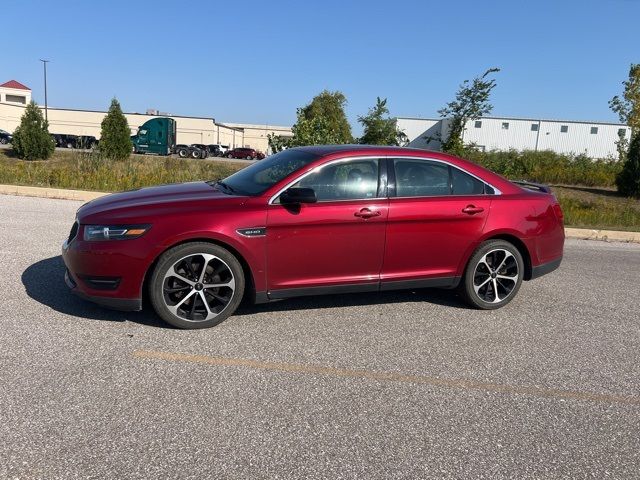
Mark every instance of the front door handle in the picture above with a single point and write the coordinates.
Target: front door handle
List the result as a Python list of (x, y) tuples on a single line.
[(472, 210), (367, 213)]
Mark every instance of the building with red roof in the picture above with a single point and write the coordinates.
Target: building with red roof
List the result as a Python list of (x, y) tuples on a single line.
[(15, 93)]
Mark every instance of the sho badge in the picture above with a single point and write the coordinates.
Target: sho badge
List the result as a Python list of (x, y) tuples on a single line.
[(252, 232)]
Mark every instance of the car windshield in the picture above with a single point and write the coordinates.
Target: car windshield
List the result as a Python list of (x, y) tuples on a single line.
[(262, 175)]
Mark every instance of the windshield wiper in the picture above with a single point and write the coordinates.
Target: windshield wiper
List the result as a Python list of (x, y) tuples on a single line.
[(226, 186)]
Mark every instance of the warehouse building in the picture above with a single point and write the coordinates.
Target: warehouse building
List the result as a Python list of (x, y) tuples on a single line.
[(14, 97), (594, 139)]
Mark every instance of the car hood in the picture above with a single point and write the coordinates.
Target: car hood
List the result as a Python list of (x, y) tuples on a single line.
[(143, 200)]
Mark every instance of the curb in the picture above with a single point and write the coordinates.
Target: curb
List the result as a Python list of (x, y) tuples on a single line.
[(83, 195), (41, 192), (602, 235)]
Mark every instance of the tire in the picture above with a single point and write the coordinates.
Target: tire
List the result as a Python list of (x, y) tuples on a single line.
[(229, 156), (195, 154), (3, 141), (203, 155), (249, 157), (171, 291), (482, 279), (183, 153)]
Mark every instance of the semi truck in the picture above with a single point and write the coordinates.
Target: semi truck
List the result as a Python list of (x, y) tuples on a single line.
[(157, 135)]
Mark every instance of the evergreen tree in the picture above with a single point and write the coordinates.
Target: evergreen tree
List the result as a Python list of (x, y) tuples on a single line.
[(628, 180), (31, 140), (115, 138)]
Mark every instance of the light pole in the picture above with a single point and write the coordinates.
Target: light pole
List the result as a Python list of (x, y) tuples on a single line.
[(44, 63)]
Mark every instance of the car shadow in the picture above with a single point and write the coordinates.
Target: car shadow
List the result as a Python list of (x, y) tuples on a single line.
[(44, 282), (448, 298)]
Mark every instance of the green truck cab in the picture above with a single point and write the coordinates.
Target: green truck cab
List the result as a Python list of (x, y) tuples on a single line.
[(157, 135)]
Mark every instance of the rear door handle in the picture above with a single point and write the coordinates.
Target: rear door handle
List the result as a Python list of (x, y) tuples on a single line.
[(472, 209), (367, 213)]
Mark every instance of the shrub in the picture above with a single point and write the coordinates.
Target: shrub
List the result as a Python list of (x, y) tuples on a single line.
[(628, 180), (31, 140), (548, 167), (115, 137)]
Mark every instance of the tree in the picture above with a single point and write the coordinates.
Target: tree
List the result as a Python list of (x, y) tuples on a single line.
[(324, 119), (278, 143), (628, 107), (471, 103), (628, 180), (115, 137), (316, 130), (379, 128), (31, 140)]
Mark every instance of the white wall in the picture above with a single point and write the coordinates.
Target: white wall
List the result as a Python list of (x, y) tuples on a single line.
[(421, 132), (519, 136)]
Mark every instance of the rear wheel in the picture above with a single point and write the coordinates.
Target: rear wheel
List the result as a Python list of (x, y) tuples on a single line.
[(3, 141), (493, 275), (249, 157), (183, 153), (196, 285), (229, 156)]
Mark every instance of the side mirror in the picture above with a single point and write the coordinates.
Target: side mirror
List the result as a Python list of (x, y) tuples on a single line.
[(295, 196)]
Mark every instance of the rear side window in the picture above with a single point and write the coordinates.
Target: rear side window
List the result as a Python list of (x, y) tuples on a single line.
[(421, 178), (465, 184)]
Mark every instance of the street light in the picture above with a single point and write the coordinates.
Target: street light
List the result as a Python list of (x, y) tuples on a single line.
[(44, 63)]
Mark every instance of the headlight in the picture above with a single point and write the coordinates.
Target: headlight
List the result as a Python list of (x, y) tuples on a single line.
[(114, 232)]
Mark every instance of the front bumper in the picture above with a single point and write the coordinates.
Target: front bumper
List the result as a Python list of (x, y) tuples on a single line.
[(123, 304), (89, 264)]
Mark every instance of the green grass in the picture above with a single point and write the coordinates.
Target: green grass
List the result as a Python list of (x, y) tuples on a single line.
[(89, 171), (586, 207)]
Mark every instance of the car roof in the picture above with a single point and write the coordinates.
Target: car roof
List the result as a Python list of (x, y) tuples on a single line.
[(324, 150)]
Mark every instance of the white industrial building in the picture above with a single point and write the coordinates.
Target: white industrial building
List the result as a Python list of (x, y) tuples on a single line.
[(594, 139)]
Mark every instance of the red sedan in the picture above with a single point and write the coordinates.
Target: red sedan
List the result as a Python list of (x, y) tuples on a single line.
[(314, 220)]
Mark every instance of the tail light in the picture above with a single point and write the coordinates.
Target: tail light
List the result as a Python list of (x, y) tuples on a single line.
[(558, 211)]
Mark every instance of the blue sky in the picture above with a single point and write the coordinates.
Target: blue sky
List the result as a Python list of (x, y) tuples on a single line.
[(257, 61)]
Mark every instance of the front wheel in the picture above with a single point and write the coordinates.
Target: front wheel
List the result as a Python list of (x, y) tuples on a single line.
[(196, 285), (229, 156), (3, 141), (493, 275)]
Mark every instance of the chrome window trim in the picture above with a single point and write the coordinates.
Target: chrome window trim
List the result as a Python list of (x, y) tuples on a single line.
[(495, 189), (392, 157)]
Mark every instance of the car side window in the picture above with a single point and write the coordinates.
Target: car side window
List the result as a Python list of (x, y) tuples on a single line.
[(350, 180), (421, 178), (465, 184)]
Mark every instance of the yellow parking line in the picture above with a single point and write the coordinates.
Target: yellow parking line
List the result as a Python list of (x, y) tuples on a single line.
[(388, 377)]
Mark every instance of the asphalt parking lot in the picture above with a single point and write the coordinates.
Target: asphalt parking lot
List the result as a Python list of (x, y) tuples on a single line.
[(397, 385)]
